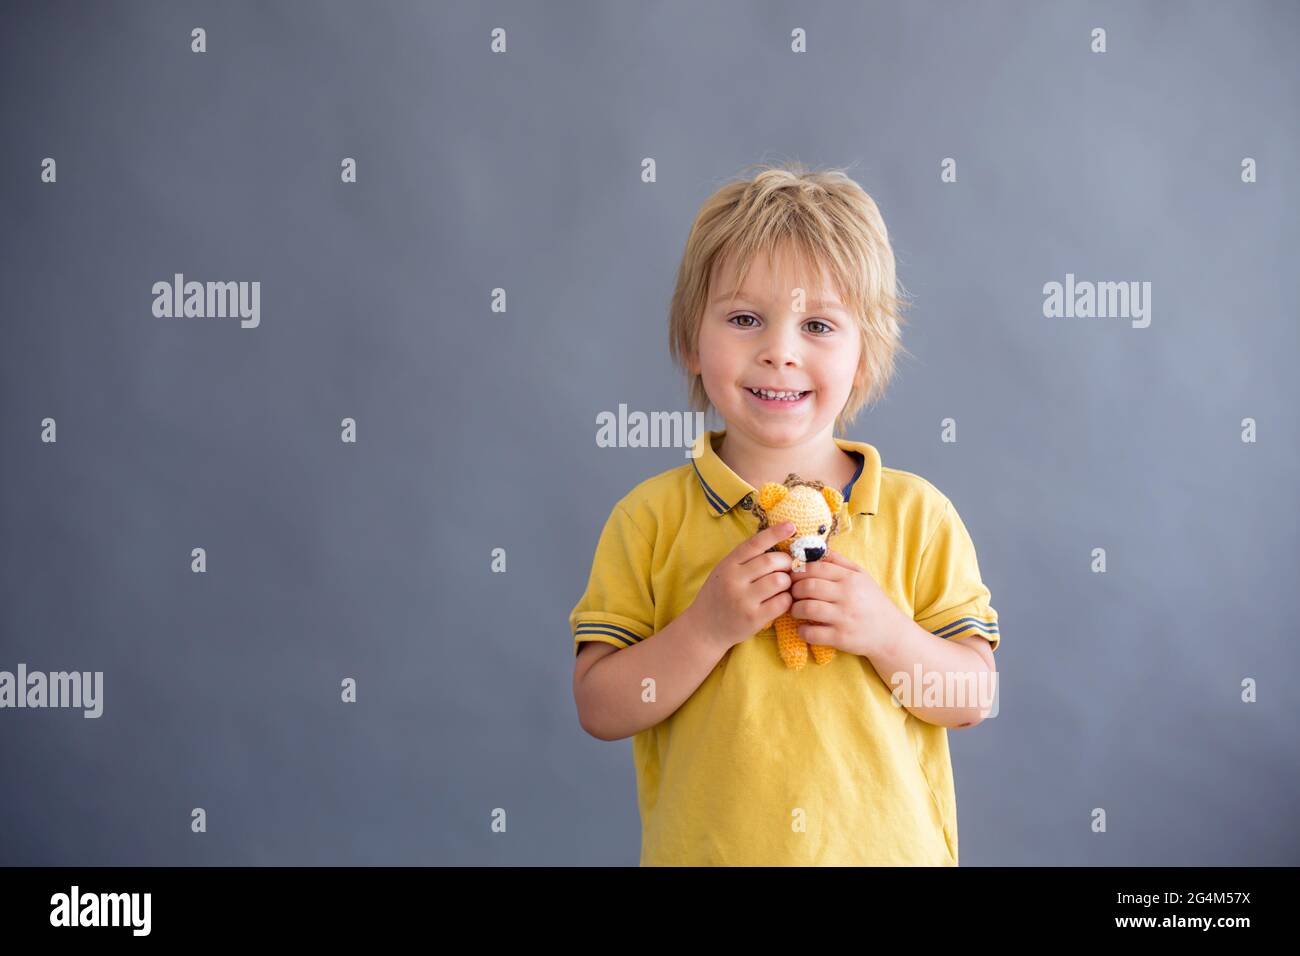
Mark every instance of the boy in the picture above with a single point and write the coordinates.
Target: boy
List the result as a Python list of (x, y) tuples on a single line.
[(786, 318)]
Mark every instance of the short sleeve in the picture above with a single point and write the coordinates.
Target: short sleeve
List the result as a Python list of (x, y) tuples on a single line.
[(618, 604), (950, 599)]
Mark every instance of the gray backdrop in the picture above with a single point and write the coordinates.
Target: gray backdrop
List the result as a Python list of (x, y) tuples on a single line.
[(476, 430)]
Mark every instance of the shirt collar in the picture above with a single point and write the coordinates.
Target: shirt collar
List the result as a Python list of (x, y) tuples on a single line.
[(723, 489)]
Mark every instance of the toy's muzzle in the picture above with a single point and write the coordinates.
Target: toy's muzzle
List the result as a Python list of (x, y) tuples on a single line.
[(809, 547)]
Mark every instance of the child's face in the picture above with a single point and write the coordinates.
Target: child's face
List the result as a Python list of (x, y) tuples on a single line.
[(761, 341)]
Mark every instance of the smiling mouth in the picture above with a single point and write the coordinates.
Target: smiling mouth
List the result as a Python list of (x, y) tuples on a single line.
[(779, 398)]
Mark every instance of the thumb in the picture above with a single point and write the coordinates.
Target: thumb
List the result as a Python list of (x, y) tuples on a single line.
[(834, 557)]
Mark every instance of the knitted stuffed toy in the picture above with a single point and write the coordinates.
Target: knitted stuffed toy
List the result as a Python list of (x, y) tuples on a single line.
[(817, 512)]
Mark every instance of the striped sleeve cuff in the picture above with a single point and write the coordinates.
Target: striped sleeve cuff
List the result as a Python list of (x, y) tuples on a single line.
[(610, 628), (964, 623)]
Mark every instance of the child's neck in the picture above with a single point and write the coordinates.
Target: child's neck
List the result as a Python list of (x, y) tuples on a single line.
[(819, 458)]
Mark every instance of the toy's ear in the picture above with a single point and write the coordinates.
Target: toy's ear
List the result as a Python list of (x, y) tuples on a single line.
[(834, 499), (839, 509), (772, 494)]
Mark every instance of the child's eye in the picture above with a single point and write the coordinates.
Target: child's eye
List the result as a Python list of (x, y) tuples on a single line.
[(828, 329)]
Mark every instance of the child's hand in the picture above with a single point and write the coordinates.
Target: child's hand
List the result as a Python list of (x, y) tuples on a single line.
[(747, 591), (839, 604)]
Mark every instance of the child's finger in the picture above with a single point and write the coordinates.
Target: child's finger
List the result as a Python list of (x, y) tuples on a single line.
[(834, 557), (816, 633), (764, 540), (826, 569)]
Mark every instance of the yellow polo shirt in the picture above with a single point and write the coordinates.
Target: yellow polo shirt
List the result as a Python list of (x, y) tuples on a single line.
[(767, 766)]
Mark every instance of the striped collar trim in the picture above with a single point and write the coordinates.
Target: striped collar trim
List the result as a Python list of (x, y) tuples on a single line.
[(723, 489)]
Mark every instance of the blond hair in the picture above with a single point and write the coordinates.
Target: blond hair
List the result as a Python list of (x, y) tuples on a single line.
[(828, 219)]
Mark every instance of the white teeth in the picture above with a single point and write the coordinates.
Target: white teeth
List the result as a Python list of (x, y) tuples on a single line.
[(780, 396)]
